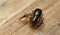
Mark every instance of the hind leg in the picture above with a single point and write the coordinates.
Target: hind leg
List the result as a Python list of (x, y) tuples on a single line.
[(39, 23)]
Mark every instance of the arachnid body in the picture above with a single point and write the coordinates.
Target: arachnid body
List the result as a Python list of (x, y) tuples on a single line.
[(35, 18)]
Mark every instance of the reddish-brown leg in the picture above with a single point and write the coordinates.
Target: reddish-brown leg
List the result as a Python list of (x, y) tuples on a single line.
[(26, 15), (39, 23), (40, 20)]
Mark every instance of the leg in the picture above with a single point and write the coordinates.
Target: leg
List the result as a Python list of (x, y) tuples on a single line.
[(39, 23), (26, 15)]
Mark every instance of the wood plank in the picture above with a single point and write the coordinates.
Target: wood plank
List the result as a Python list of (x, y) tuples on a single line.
[(51, 18), (52, 11), (9, 8)]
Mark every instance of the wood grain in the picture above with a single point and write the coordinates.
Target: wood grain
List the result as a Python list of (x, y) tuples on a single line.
[(51, 17)]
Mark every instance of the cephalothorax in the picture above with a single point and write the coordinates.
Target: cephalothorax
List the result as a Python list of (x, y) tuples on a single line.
[(36, 18)]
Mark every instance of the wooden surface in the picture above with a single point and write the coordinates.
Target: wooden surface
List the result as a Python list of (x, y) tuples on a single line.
[(12, 26)]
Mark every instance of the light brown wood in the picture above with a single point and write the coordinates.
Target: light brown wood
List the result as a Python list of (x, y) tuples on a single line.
[(51, 15)]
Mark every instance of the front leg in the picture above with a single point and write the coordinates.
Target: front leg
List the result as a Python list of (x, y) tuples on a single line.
[(26, 15)]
